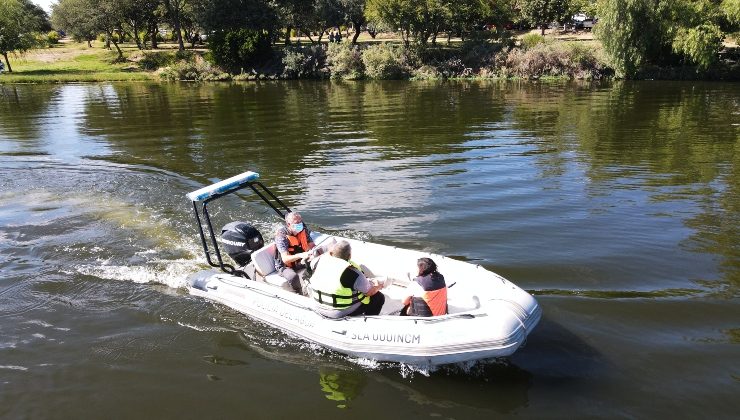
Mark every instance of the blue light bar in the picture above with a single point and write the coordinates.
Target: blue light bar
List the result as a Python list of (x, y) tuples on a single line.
[(224, 186)]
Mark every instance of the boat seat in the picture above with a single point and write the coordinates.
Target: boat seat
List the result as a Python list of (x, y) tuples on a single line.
[(264, 263)]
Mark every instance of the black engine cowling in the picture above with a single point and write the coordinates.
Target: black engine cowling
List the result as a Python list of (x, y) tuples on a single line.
[(240, 240)]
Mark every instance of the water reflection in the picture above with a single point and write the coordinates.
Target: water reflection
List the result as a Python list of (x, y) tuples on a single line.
[(341, 386), (429, 165), (21, 108), (408, 157), (608, 201)]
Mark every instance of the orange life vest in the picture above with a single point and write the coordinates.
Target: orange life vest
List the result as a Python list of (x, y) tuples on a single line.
[(433, 301), (298, 244), (436, 300)]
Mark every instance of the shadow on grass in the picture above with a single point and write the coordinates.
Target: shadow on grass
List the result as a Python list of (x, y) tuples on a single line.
[(53, 72)]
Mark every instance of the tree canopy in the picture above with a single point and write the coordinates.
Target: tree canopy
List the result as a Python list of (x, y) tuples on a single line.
[(541, 12), (19, 19)]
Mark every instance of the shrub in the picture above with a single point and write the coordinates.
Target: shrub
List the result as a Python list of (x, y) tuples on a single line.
[(52, 37), (572, 60), (235, 50), (345, 61), (195, 70), (384, 61), (478, 53), (531, 40), (184, 55), (304, 63), (426, 72), (454, 67), (104, 37), (152, 60)]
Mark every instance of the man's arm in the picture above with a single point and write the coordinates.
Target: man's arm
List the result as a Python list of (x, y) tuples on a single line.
[(355, 280), (288, 258), (282, 244)]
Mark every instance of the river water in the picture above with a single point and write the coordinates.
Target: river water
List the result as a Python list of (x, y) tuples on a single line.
[(616, 205)]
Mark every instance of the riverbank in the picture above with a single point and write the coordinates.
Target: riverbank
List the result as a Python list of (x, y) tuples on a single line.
[(73, 62), (563, 56)]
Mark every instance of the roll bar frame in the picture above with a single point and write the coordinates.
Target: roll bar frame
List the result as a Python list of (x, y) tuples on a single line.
[(201, 214)]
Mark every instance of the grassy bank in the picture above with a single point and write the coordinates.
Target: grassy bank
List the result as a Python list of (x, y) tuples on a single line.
[(73, 62), (555, 57), (76, 62)]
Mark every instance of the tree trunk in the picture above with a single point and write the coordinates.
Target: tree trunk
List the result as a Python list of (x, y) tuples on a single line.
[(136, 36), (89, 44), (120, 53), (449, 37), (178, 32), (107, 42), (287, 35), (542, 27), (189, 37), (308, 35), (7, 62), (321, 34), (154, 31), (173, 7), (357, 32)]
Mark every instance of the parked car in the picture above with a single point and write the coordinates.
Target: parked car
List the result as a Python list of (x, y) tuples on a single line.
[(583, 22)]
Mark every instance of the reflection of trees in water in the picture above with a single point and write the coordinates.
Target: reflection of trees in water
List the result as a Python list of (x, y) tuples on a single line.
[(673, 140), (21, 107), (676, 141), (150, 123), (341, 386)]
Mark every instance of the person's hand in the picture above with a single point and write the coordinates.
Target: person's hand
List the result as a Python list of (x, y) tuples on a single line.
[(373, 289)]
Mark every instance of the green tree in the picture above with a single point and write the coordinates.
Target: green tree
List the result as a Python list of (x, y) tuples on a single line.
[(636, 33), (731, 9), (465, 17), (137, 15), (19, 19), (176, 11), (226, 15), (76, 18), (295, 14), (541, 12), (633, 32), (418, 18), (354, 13)]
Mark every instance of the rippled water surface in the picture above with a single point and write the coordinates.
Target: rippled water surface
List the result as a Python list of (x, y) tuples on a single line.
[(617, 205)]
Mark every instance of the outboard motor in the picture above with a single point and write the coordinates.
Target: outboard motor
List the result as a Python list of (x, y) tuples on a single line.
[(240, 240)]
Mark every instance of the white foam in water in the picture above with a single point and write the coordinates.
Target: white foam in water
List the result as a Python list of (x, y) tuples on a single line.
[(11, 367), (201, 328), (368, 364), (172, 273), (8, 345), (39, 322)]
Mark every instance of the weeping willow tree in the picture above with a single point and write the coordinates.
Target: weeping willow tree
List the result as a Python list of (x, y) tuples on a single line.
[(636, 33)]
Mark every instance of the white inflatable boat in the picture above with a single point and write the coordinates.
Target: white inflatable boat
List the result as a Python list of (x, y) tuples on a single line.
[(488, 315)]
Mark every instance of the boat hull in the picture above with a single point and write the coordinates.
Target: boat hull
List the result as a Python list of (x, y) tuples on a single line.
[(497, 328)]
